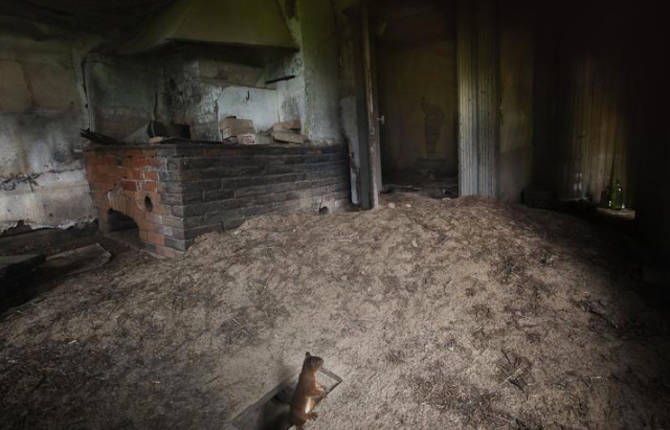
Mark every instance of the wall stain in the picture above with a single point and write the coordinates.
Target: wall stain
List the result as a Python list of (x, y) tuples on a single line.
[(434, 120)]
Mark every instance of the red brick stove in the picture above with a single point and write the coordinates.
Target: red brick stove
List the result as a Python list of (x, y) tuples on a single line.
[(176, 191)]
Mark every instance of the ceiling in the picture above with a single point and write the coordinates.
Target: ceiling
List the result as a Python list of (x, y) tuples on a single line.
[(134, 26), (105, 17)]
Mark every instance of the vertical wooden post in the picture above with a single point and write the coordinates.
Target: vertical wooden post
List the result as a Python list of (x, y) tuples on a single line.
[(372, 114)]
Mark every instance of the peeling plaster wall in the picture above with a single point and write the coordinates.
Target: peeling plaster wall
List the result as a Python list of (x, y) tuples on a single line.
[(320, 58), (195, 89), (201, 92), (51, 86), (42, 181), (201, 86), (124, 93), (291, 92)]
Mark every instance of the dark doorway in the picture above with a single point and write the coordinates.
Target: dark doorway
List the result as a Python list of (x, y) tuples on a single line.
[(415, 56)]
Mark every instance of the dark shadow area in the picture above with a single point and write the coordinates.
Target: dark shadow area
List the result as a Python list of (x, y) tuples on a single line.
[(123, 228), (642, 262), (63, 253), (72, 252), (415, 58), (119, 222)]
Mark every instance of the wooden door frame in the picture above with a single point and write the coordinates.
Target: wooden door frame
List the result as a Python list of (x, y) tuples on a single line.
[(371, 137), (478, 103)]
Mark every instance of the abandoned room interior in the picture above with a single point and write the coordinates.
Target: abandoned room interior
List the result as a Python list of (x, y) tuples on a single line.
[(334, 214)]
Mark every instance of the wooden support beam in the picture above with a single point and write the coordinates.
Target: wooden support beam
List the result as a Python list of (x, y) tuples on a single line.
[(371, 111)]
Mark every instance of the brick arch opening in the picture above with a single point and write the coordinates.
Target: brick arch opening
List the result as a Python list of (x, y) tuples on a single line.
[(123, 227), (118, 221)]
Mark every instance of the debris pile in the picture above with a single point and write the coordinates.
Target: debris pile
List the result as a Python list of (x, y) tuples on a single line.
[(287, 132), (153, 132), (237, 130), (231, 130)]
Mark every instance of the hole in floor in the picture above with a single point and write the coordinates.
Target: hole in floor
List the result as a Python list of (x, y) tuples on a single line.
[(271, 411)]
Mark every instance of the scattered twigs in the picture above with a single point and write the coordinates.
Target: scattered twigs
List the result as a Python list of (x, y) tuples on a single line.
[(591, 308)]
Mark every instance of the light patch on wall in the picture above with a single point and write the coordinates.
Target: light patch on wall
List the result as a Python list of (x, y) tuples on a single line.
[(13, 88), (52, 86), (51, 200)]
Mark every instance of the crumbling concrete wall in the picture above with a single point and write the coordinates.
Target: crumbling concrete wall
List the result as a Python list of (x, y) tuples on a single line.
[(124, 93), (51, 86), (42, 181), (199, 89), (290, 92), (319, 45), (202, 85), (202, 91)]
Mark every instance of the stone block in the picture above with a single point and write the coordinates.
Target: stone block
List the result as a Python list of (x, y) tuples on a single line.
[(288, 137), (246, 139), (178, 244), (180, 198), (287, 126), (231, 127), (214, 195)]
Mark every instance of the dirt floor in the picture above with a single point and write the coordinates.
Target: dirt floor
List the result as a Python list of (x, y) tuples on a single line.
[(446, 313)]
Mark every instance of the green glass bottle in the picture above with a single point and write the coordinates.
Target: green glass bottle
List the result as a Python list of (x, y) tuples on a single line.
[(606, 198), (616, 199)]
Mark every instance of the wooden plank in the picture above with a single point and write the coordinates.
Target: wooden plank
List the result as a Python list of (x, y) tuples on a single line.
[(78, 260), (371, 113), (359, 153)]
